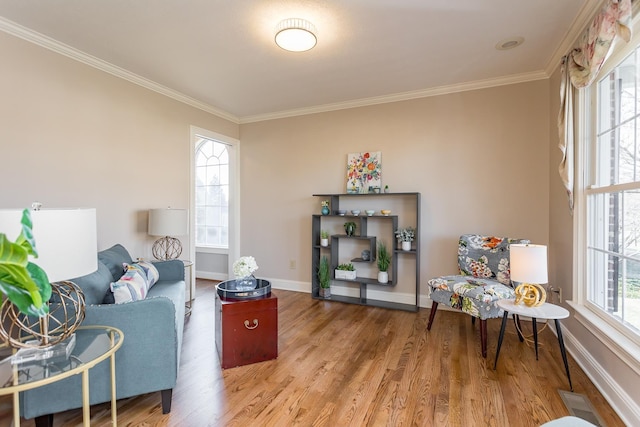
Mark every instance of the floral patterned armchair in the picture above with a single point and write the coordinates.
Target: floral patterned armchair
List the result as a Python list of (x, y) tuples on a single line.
[(484, 279)]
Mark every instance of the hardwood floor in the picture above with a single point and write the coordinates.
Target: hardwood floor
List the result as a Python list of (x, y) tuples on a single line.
[(342, 364)]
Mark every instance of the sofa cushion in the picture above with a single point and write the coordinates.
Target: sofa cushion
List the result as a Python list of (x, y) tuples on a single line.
[(94, 285), (132, 286), (114, 258)]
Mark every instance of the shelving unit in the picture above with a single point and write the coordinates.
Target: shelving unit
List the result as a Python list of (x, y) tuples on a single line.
[(365, 240)]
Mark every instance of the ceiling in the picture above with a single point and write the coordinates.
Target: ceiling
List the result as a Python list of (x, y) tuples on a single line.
[(220, 55)]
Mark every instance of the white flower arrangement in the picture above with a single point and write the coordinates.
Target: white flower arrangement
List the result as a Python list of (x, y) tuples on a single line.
[(244, 266), (405, 234)]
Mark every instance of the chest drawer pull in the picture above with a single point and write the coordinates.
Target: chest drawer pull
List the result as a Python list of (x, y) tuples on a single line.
[(255, 324)]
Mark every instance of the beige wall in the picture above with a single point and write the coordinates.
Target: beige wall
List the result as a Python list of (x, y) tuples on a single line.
[(480, 159), (72, 135)]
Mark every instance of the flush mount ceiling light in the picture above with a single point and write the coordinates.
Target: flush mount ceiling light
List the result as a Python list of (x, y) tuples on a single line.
[(296, 35), (509, 43)]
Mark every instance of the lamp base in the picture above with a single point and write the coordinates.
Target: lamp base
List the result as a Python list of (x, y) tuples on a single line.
[(45, 355), (531, 294), (166, 248)]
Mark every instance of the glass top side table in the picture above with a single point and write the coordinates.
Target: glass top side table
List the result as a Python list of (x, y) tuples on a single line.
[(93, 345), (545, 311)]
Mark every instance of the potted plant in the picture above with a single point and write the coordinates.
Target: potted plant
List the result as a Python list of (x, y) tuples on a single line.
[(350, 228), (384, 260), (324, 278), (324, 238), (405, 236), (346, 271), (24, 283)]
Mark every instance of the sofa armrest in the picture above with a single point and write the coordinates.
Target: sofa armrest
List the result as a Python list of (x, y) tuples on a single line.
[(170, 270)]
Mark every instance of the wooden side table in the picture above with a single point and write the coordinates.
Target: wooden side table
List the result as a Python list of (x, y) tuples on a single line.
[(545, 311), (246, 331)]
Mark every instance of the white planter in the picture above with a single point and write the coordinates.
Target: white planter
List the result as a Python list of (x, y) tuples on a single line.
[(345, 275), (406, 246), (383, 276), (324, 242)]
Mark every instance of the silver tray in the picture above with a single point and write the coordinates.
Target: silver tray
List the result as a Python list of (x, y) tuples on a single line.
[(227, 290)]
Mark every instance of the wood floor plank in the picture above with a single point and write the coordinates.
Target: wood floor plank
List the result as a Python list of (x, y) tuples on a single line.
[(341, 364)]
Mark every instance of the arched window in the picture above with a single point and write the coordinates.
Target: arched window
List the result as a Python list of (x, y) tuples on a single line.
[(212, 193)]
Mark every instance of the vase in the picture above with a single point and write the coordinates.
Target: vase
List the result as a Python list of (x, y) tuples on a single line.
[(325, 210), (325, 292), (247, 283), (349, 229), (324, 242), (406, 246), (383, 276)]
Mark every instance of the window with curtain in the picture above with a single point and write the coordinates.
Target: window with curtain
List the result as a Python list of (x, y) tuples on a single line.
[(211, 193), (613, 194)]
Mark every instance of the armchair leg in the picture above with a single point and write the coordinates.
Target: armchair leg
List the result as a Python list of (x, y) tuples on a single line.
[(434, 307), (44, 420), (166, 400), (483, 336)]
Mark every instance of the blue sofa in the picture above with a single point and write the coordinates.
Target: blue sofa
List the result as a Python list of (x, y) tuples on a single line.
[(150, 354)]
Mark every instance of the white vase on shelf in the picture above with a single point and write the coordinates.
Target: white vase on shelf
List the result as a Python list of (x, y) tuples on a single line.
[(383, 276), (406, 246), (324, 242)]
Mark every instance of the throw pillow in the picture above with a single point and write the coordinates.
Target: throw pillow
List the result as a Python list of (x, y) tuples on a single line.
[(132, 286), (148, 270)]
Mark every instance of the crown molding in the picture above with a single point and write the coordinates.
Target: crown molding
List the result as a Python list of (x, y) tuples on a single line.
[(46, 42), (404, 96), (579, 24)]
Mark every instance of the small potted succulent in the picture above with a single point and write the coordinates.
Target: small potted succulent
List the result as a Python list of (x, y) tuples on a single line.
[(346, 271), (324, 278), (324, 238), (350, 228), (405, 236), (384, 260)]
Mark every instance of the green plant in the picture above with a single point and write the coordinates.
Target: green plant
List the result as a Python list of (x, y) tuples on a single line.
[(324, 234), (24, 283), (384, 258), (405, 234), (350, 228), (323, 273), (346, 267)]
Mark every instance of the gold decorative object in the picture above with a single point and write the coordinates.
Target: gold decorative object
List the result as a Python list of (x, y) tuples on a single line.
[(531, 294), (66, 313)]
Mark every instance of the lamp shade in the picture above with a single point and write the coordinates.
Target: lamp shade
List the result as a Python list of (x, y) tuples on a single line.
[(528, 263), (168, 222), (65, 239)]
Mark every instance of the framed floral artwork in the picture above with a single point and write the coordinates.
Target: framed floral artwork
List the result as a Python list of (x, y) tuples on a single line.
[(364, 172)]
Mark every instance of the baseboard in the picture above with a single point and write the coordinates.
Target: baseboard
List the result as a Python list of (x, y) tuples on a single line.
[(626, 408), (211, 275)]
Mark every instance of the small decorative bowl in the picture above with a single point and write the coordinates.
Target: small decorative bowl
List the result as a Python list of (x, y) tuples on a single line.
[(355, 212), (341, 212), (385, 212), (370, 212)]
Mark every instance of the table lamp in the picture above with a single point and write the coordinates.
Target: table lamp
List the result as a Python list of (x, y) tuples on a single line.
[(168, 222), (529, 268), (66, 243)]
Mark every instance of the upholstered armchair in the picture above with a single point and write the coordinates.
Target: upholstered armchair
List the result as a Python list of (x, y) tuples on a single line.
[(483, 279)]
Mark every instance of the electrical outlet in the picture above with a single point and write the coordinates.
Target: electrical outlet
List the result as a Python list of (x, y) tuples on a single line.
[(292, 264)]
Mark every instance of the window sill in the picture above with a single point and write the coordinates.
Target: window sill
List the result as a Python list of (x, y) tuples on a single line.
[(212, 250), (624, 347)]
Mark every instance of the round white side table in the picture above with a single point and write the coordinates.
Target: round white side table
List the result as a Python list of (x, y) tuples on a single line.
[(545, 311)]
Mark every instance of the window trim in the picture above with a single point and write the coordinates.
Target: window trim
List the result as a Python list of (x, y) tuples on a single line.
[(611, 333), (234, 195)]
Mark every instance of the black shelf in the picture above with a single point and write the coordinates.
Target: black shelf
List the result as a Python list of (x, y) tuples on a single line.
[(362, 221)]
